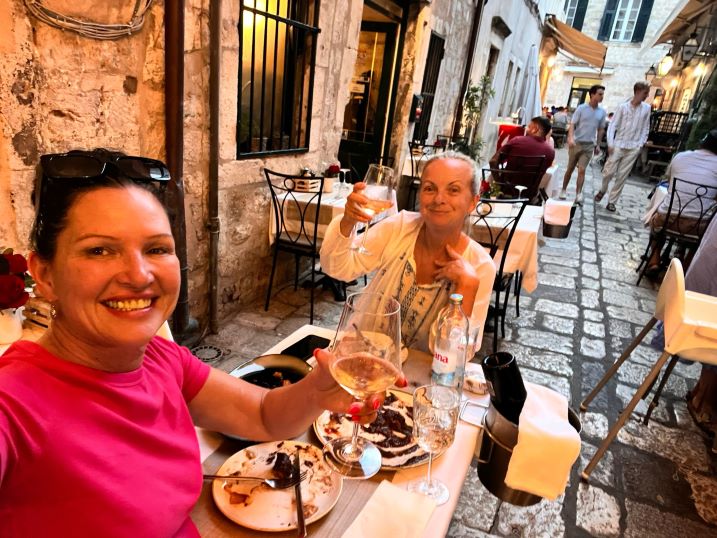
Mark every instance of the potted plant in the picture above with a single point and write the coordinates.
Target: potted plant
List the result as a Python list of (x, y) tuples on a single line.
[(475, 100)]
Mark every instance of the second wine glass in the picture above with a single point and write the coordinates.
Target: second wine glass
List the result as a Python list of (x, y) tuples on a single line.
[(366, 360), (435, 415), (379, 191)]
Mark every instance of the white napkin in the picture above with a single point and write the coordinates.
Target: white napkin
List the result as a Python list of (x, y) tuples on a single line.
[(547, 445), (392, 511), (474, 379), (557, 212)]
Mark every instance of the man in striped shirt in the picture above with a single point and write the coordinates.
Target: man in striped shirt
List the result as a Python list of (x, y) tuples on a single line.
[(626, 135)]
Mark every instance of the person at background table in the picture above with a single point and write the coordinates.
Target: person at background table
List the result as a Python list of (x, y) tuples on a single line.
[(626, 134), (698, 166), (560, 118), (420, 258), (584, 132), (533, 144), (97, 418)]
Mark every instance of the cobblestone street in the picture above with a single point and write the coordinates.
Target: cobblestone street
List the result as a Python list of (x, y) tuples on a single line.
[(657, 480)]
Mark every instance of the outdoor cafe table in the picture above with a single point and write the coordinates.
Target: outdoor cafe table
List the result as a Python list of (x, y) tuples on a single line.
[(523, 251), (451, 468)]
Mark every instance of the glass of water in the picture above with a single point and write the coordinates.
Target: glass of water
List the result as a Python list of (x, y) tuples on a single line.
[(435, 415)]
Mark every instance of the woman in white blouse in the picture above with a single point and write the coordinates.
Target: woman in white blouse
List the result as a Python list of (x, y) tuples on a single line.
[(420, 258)]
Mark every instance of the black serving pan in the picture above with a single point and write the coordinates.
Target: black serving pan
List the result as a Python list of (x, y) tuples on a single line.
[(271, 371)]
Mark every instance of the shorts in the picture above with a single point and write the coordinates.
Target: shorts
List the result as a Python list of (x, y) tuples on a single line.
[(681, 225), (580, 154)]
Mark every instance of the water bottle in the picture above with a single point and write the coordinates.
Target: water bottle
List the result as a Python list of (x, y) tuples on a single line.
[(449, 356)]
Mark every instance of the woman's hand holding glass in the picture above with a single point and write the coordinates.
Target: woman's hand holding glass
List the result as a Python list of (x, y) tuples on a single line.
[(365, 362)]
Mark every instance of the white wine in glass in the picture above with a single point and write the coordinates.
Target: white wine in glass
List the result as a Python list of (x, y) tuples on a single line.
[(366, 360), (435, 415), (379, 191)]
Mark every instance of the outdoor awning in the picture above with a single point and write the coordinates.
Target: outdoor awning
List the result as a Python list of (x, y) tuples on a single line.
[(575, 42), (677, 23)]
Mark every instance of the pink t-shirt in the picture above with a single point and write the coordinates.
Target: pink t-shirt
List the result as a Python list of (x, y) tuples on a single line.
[(90, 453)]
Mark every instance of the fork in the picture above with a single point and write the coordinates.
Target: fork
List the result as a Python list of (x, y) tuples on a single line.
[(274, 483)]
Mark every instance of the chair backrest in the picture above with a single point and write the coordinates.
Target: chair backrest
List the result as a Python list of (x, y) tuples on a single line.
[(420, 153), (296, 211), (670, 305), (448, 142), (493, 225), (690, 210), (518, 170)]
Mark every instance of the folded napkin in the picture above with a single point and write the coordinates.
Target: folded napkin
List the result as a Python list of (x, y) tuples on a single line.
[(557, 212), (547, 445), (392, 511), (474, 379)]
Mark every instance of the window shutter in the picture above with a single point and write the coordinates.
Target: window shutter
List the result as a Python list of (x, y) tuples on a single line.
[(608, 17), (643, 17), (580, 14)]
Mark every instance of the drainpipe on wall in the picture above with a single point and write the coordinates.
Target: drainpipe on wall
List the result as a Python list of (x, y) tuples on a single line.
[(184, 328), (215, 33), (458, 120)]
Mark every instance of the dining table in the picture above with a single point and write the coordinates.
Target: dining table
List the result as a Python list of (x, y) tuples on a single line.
[(523, 251), (451, 467)]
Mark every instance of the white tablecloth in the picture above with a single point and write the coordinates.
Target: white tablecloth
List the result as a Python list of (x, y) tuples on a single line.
[(523, 252)]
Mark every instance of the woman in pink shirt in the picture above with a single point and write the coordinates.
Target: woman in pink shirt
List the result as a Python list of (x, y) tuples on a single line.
[(97, 418)]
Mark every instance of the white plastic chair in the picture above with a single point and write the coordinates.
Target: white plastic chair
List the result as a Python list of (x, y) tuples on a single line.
[(690, 321), (165, 332)]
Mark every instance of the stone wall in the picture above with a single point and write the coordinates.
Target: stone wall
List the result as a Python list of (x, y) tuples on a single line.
[(60, 91)]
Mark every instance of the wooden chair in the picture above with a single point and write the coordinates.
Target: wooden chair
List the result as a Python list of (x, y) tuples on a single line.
[(296, 235), (692, 206), (493, 226), (690, 321)]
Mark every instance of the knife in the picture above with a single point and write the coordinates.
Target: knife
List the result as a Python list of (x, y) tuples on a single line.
[(300, 523)]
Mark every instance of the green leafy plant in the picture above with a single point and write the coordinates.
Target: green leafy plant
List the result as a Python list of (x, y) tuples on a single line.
[(474, 102), (707, 118)]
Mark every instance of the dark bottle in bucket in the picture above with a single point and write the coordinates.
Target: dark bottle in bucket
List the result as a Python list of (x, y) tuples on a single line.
[(505, 384)]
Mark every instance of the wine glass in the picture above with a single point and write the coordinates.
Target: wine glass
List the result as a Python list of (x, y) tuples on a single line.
[(435, 415), (520, 189), (379, 190), (366, 360)]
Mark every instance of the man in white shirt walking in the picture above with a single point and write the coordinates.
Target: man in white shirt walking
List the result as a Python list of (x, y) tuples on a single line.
[(626, 134)]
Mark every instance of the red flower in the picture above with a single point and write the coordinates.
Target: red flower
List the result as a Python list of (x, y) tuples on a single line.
[(484, 186), (333, 169), (16, 262), (12, 292)]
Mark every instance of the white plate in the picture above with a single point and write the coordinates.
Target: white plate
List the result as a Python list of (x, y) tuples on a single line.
[(330, 426), (274, 510)]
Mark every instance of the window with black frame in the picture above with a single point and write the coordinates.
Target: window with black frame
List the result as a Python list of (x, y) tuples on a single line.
[(277, 53)]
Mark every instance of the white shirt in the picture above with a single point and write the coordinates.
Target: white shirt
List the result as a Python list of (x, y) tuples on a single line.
[(391, 243), (630, 126), (698, 166)]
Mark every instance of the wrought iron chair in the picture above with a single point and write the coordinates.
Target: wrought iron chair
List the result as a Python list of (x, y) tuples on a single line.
[(449, 142), (296, 223), (419, 154), (690, 321), (691, 208), (520, 171), (493, 225)]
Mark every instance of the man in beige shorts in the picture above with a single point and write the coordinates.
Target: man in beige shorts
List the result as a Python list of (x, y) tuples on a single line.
[(587, 126)]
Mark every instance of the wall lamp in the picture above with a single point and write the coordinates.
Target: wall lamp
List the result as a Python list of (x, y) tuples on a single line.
[(665, 65)]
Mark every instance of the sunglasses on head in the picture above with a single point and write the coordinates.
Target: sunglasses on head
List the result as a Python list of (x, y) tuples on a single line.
[(78, 167)]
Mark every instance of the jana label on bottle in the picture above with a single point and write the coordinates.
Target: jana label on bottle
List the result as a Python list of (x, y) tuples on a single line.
[(444, 361)]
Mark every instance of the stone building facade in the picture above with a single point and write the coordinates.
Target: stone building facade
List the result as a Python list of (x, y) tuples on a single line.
[(625, 63), (61, 91)]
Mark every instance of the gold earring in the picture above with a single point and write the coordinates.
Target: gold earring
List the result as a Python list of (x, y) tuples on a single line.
[(53, 311)]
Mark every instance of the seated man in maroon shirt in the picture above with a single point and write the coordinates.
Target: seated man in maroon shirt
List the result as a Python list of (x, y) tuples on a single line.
[(512, 158)]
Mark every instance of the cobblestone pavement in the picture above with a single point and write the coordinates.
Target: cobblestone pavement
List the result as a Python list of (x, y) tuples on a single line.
[(657, 480)]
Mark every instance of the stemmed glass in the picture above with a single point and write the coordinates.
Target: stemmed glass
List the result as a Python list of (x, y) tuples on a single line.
[(379, 190), (520, 189), (435, 415), (342, 183), (366, 360)]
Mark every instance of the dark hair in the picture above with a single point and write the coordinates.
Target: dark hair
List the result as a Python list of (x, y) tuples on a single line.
[(543, 123), (709, 141), (58, 197), (640, 85), (594, 89)]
